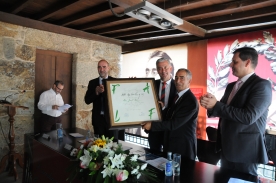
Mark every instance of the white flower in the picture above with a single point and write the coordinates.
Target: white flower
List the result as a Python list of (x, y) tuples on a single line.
[(94, 148), (115, 145), (106, 160), (144, 166), (134, 158), (135, 171), (85, 160), (117, 161), (138, 176), (107, 171)]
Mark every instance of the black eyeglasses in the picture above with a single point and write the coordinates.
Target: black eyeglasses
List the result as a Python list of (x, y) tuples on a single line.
[(59, 88)]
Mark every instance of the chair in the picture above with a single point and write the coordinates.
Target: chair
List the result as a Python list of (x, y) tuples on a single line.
[(206, 152), (211, 133)]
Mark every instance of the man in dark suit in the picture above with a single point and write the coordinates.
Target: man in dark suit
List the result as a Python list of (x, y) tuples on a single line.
[(243, 111), (165, 88), (179, 125), (95, 94)]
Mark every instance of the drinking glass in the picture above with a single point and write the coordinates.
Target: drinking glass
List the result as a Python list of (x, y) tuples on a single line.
[(176, 164)]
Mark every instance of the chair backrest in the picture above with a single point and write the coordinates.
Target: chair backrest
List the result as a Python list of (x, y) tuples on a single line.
[(206, 152), (211, 133)]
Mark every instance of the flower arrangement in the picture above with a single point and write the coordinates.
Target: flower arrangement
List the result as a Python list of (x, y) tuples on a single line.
[(104, 161)]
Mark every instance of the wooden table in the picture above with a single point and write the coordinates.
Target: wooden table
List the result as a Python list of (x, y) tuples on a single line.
[(12, 156), (47, 160)]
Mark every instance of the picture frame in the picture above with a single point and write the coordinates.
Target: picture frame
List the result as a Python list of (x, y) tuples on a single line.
[(131, 102)]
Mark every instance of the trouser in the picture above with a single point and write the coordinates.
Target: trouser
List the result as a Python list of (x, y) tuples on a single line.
[(48, 123)]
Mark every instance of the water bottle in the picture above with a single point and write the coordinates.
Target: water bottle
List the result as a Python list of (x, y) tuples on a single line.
[(168, 166), (88, 136), (60, 132)]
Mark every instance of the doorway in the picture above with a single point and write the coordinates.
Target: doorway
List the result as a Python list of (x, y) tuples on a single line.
[(49, 67)]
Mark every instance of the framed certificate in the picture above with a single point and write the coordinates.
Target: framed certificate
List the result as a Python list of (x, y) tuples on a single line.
[(131, 102)]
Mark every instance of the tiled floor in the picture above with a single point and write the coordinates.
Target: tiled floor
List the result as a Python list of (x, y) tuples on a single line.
[(5, 178)]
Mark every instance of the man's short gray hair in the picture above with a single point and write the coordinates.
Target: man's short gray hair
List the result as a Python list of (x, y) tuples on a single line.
[(188, 72), (162, 60)]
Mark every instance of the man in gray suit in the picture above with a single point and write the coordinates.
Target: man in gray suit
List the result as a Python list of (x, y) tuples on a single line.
[(243, 111)]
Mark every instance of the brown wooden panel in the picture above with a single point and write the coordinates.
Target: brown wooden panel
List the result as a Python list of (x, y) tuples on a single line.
[(64, 73)]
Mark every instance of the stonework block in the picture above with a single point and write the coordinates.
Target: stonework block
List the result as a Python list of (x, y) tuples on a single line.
[(85, 72), (10, 30), (1, 48), (8, 48), (25, 52), (57, 42), (84, 120), (17, 75), (80, 93), (110, 52)]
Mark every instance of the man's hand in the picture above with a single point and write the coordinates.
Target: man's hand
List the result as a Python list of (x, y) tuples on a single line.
[(99, 89), (55, 107), (161, 103), (208, 101), (146, 125)]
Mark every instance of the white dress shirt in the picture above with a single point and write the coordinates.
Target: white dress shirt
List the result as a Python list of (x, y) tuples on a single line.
[(47, 99)]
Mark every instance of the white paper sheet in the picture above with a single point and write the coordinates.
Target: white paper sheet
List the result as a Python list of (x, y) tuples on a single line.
[(158, 163), (235, 180), (76, 134), (64, 107)]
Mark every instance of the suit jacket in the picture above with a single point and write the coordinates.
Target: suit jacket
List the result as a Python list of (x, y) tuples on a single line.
[(91, 97), (241, 130), (180, 126), (156, 138)]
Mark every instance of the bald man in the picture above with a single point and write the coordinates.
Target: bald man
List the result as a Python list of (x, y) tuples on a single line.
[(96, 94)]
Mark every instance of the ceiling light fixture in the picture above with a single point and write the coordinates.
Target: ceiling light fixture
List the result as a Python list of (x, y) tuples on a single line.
[(153, 15)]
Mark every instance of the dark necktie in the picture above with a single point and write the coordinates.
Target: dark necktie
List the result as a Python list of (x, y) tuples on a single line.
[(102, 99), (163, 92), (175, 98)]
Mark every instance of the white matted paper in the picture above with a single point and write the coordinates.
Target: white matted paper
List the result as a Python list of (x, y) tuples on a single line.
[(132, 101)]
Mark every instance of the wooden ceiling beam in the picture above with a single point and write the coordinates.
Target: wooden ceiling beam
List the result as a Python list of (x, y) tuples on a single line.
[(256, 20), (107, 20), (54, 9), (151, 34), (20, 6), (85, 13), (126, 26), (226, 8), (124, 33), (237, 16)]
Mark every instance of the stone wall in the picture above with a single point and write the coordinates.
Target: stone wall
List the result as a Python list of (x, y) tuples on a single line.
[(17, 73)]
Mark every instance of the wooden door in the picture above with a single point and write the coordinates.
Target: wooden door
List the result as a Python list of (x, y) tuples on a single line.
[(49, 67)]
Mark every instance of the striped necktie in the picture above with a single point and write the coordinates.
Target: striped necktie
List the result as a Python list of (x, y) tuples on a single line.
[(162, 98)]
